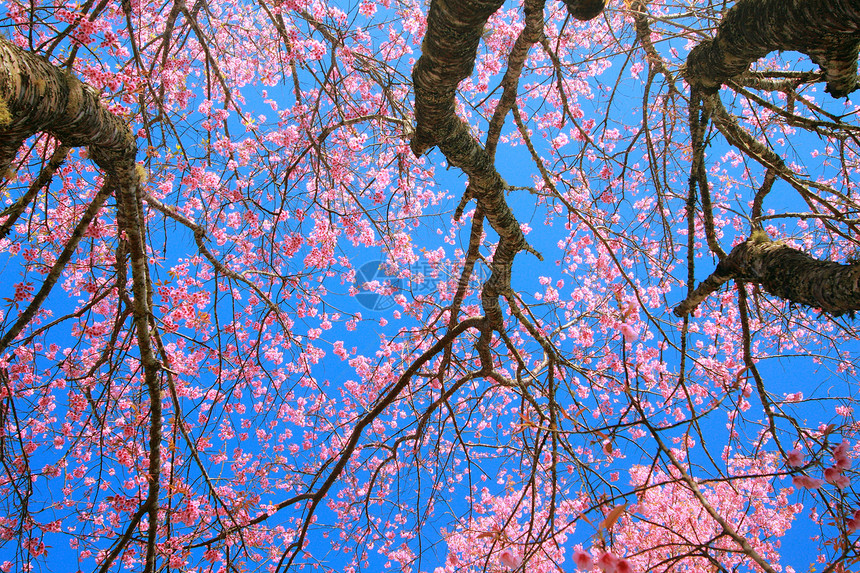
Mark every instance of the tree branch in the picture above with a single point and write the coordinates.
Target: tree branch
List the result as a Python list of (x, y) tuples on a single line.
[(828, 31), (36, 96), (784, 272), (448, 55)]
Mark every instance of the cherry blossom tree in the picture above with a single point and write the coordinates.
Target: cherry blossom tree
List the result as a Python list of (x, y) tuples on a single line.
[(463, 285)]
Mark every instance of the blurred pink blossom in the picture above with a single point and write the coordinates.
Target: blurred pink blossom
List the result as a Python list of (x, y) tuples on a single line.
[(582, 559), (510, 559), (628, 332), (807, 482), (794, 458)]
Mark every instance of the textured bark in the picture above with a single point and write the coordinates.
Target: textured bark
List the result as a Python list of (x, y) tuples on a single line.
[(828, 31), (36, 96), (585, 9), (448, 54), (784, 272), (641, 20), (447, 57)]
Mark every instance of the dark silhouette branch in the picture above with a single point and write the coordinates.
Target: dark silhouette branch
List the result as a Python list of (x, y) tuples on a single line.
[(585, 9)]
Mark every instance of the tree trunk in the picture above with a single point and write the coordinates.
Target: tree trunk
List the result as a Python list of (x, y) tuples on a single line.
[(828, 31), (450, 45), (454, 29), (585, 9), (36, 96), (784, 272)]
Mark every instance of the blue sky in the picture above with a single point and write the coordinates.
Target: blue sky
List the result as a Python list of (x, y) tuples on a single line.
[(783, 374)]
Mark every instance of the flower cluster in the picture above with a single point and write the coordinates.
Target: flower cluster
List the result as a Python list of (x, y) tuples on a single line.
[(607, 562), (833, 474)]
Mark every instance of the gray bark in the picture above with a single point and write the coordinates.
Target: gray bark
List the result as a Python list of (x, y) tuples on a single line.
[(448, 54), (784, 272), (36, 96), (828, 31)]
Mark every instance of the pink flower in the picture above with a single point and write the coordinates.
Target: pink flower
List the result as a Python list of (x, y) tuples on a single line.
[(628, 332), (582, 559), (831, 474), (367, 9), (559, 141), (623, 566), (814, 483), (840, 456), (608, 563), (510, 559), (807, 482), (852, 525), (794, 458), (842, 481)]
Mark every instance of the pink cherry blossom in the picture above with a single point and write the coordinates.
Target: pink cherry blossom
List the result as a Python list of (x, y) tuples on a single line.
[(629, 333), (607, 562), (392, 279), (623, 566), (794, 458), (794, 397), (831, 474), (582, 559), (807, 482), (842, 481), (509, 558)]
